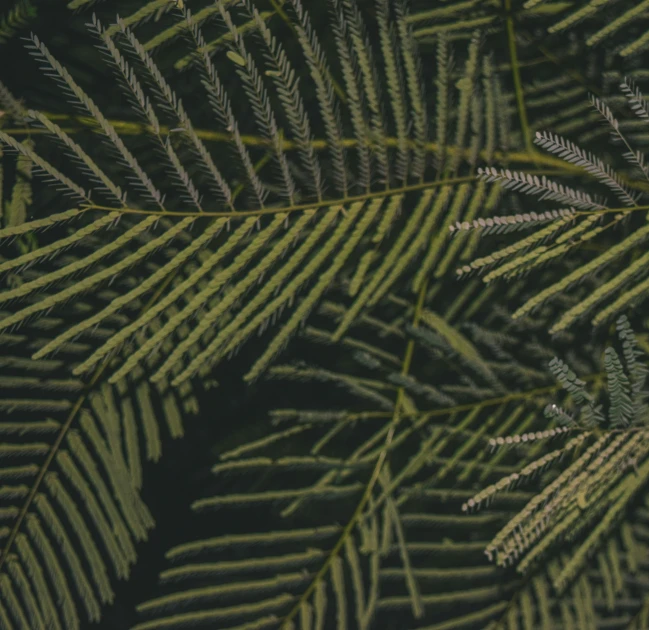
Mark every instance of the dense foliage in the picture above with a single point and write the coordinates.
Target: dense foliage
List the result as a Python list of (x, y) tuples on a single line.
[(382, 266)]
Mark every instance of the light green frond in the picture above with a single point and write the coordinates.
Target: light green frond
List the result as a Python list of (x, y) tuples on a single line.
[(398, 524), (236, 310), (237, 330), (467, 88), (310, 301), (636, 294), (591, 495), (216, 282), (74, 520), (611, 254), (625, 287), (395, 88), (80, 265), (313, 176), (41, 510)]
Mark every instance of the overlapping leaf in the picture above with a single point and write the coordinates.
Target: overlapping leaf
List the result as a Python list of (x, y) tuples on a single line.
[(246, 220)]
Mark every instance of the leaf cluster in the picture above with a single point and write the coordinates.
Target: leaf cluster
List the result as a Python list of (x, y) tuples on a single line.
[(301, 181)]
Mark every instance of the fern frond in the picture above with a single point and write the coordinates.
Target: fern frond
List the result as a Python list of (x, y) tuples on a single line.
[(259, 100), (407, 45), (466, 86), (395, 88), (461, 198), (238, 308), (325, 280), (40, 51), (388, 265), (319, 73), (615, 25), (352, 496), (604, 259), (402, 521), (528, 259), (364, 58), (632, 296), (287, 90), (106, 185), (595, 485), (573, 154), (543, 187), (75, 514)]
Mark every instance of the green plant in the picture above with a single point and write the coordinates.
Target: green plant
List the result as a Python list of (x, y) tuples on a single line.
[(394, 548), (601, 481), (581, 219), (303, 156)]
